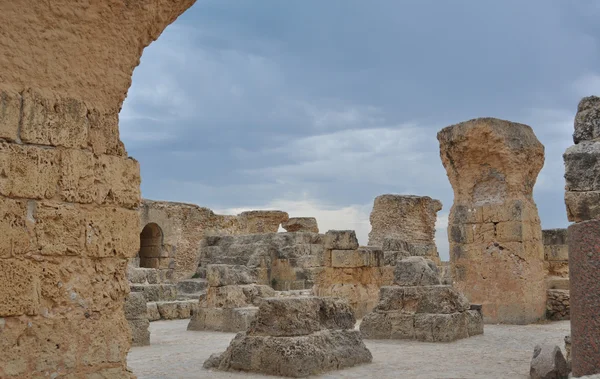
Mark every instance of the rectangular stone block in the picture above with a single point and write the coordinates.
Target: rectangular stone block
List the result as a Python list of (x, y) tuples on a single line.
[(59, 229), (557, 268), (556, 252), (10, 113), (582, 167), (135, 306), (510, 231), (156, 292), (20, 287), (462, 214), (514, 210), (236, 296), (110, 231), (54, 122), (298, 316), (402, 326), (140, 333), (226, 275), (363, 257), (222, 319), (103, 133), (582, 206), (558, 283), (152, 311), (28, 171), (77, 181), (118, 181), (341, 240), (474, 322), (555, 237), (441, 327), (16, 227), (424, 299)]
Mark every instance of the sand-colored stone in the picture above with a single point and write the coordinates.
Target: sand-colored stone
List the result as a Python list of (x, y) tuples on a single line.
[(301, 224), (64, 77), (262, 221), (494, 230), (404, 217)]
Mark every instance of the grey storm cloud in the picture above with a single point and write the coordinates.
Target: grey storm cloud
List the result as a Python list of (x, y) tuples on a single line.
[(243, 104)]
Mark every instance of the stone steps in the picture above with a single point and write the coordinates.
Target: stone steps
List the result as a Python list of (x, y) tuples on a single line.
[(171, 310), (196, 296), (192, 286), (156, 292), (141, 275)]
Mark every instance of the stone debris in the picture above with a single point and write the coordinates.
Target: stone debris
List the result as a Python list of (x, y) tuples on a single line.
[(301, 224), (137, 318), (548, 362), (418, 307), (295, 337), (496, 249)]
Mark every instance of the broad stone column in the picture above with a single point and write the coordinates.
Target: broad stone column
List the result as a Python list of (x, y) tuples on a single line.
[(68, 190), (407, 218), (494, 230), (582, 198)]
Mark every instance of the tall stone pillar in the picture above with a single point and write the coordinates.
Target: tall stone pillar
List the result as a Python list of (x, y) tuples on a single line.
[(405, 218), (68, 190), (494, 231), (582, 198)]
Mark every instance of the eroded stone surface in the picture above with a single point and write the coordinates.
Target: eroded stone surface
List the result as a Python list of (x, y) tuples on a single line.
[(416, 271), (494, 230), (301, 224), (404, 217), (296, 337), (548, 362), (587, 120)]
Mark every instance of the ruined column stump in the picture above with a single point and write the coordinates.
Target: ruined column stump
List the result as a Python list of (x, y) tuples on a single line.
[(405, 219), (296, 337), (494, 231), (584, 272)]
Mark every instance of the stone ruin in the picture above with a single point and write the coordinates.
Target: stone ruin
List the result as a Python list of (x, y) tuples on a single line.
[(582, 195), (136, 315), (494, 231), (296, 337), (301, 224), (232, 298), (556, 264), (418, 307), (405, 223)]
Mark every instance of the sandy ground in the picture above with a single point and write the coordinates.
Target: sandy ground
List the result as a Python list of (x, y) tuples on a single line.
[(502, 352)]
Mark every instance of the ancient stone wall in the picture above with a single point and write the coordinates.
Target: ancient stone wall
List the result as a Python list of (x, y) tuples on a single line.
[(69, 192), (183, 226), (405, 218), (494, 230), (556, 264)]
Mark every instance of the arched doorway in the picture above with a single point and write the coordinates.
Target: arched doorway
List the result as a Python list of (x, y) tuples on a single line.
[(151, 246)]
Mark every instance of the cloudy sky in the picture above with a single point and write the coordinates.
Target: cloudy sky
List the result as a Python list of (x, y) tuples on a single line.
[(316, 107)]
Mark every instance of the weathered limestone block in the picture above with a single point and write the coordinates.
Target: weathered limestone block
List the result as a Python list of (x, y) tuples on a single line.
[(20, 289), (441, 327), (225, 275), (135, 306), (176, 310), (301, 224), (548, 362), (152, 311), (298, 316), (261, 221), (16, 226), (416, 271), (584, 274), (237, 296), (228, 320), (494, 230), (341, 240), (28, 171), (582, 173), (361, 257), (156, 292), (405, 217), (423, 299), (295, 337), (140, 332), (587, 120), (10, 114)]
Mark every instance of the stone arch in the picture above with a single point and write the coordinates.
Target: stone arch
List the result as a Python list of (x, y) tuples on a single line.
[(151, 246), (72, 192)]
